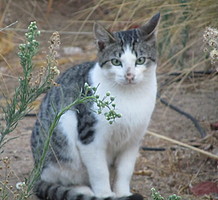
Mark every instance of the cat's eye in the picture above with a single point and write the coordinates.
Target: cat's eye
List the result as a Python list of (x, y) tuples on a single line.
[(140, 60), (115, 62)]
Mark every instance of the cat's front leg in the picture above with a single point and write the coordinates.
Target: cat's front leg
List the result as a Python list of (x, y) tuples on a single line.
[(94, 159), (125, 164)]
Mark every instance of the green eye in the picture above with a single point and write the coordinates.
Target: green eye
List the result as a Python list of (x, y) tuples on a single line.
[(115, 62), (140, 61)]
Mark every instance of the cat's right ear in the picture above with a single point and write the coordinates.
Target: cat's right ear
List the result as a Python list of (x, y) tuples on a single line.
[(103, 36), (148, 31)]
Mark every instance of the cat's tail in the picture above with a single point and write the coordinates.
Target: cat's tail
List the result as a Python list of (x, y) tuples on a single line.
[(50, 191)]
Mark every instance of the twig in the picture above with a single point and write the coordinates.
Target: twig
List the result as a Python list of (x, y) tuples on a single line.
[(7, 27), (31, 115), (191, 74), (52, 31), (187, 115), (184, 145), (157, 148), (49, 7), (194, 74)]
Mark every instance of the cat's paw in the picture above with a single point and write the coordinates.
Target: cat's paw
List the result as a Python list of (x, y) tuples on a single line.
[(84, 190), (123, 194), (105, 194)]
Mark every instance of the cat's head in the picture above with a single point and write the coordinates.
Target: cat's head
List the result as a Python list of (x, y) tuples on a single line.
[(126, 56)]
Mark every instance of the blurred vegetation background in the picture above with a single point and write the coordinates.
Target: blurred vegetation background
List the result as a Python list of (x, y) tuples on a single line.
[(180, 33)]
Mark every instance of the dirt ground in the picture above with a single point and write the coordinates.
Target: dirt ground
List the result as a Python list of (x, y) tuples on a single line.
[(176, 169)]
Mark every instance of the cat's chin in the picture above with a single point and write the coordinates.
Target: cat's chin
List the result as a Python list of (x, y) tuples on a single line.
[(132, 83), (127, 83)]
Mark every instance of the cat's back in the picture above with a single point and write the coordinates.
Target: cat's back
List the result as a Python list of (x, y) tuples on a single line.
[(78, 74), (69, 86)]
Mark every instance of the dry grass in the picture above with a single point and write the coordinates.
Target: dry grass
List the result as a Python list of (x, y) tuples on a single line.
[(180, 32)]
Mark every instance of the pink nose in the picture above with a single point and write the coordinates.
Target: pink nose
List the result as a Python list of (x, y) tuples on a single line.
[(130, 77)]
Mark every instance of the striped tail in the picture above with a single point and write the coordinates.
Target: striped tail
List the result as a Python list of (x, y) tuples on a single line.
[(50, 191)]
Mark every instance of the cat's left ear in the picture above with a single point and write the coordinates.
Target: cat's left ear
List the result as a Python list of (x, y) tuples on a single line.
[(148, 31), (103, 36)]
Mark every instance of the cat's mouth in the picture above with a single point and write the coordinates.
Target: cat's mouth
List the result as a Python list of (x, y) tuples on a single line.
[(128, 82)]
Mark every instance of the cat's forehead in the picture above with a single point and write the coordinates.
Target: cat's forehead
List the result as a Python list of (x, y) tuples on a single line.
[(131, 41), (127, 36)]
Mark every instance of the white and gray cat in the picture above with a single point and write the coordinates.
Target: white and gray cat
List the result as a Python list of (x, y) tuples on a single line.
[(85, 148)]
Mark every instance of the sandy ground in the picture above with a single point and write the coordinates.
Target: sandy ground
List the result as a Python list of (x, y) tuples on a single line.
[(170, 171)]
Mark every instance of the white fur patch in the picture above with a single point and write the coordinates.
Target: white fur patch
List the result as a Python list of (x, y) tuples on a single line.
[(128, 58), (67, 173), (68, 126)]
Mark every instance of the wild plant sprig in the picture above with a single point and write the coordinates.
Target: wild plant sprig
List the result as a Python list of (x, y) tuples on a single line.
[(156, 196), (27, 91), (106, 105), (174, 197), (29, 49)]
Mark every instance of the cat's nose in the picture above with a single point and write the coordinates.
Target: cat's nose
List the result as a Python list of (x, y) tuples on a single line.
[(130, 77)]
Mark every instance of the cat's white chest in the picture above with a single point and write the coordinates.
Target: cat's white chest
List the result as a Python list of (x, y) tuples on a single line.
[(135, 109), (135, 103)]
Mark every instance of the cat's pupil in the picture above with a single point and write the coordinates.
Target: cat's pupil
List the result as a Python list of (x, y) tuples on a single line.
[(115, 62), (140, 61)]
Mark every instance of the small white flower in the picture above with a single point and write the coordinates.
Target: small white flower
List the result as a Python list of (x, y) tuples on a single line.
[(55, 70), (214, 54), (20, 185), (213, 43), (213, 31)]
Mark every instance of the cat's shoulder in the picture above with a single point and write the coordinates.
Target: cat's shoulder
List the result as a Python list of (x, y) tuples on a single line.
[(76, 72)]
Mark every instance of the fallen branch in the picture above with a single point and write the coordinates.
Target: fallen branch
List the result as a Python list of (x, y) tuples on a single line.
[(187, 115), (210, 155), (7, 27), (194, 74), (157, 148)]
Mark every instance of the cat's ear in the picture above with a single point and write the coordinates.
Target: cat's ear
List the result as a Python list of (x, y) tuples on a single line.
[(103, 36), (148, 31)]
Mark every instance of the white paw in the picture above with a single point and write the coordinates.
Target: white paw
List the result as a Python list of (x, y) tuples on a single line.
[(84, 190), (105, 194), (123, 194)]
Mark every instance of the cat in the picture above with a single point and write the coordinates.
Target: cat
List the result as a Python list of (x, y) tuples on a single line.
[(89, 159)]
